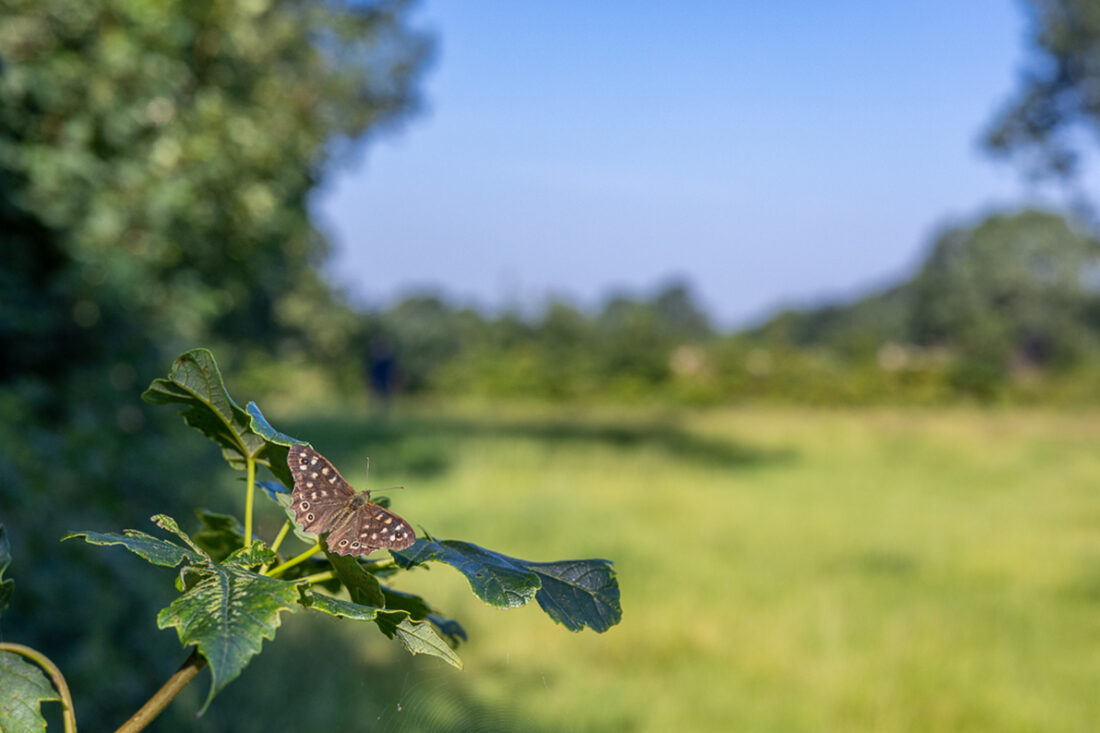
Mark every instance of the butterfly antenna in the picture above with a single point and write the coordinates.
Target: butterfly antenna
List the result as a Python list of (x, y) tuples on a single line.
[(366, 478)]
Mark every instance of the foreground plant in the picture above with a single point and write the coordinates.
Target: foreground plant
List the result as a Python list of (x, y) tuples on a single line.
[(234, 586)]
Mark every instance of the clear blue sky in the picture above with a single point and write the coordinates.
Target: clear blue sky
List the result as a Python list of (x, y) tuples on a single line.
[(770, 153)]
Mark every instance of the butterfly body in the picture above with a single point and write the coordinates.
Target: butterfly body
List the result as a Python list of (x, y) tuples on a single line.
[(324, 501)]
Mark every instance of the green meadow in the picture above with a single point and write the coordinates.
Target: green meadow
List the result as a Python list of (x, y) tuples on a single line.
[(781, 569)]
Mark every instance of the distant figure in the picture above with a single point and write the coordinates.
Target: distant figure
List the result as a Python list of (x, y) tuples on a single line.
[(382, 370)]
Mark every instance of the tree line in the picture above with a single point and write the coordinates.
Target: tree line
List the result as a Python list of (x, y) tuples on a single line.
[(1005, 307)]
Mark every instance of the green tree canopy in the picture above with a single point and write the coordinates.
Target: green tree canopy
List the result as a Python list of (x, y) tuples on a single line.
[(156, 162), (1060, 89), (1014, 286), (156, 165)]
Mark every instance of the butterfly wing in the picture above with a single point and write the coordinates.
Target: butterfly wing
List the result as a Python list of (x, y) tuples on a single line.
[(321, 495), (369, 527)]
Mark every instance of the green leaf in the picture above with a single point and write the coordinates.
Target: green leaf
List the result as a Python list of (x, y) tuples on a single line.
[(152, 549), (575, 593), (23, 689), (221, 534), (362, 586), (277, 445), (418, 637), (417, 607), (263, 428), (449, 628), (228, 612), (494, 578), (579, 593), (248, 557), (341, 608), (165, 522), (196, 383), (7, 587)]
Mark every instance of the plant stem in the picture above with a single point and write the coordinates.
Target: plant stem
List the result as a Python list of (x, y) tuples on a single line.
[(386, 562), (280, 569), (278, 541), (320, 577), (281, 536), (250, 469), (159, 701), (58, 679)]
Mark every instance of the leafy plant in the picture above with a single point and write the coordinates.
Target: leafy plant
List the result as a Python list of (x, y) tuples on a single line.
[(234, 586), (23, 686)]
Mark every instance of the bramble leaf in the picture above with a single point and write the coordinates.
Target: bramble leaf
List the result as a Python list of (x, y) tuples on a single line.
[(277, 444), (579, 593), (152, 549), (196, 383), (419, 610), (23, 689), (574, 593), (362, 586), (340, 608), (418, 637), (6, 586), (417, 607), (494, 578), (450, 628), (168, 524), (248, 557), (227, 612)]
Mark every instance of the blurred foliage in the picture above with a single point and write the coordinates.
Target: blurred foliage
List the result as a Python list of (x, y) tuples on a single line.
[(156, 164), (1006, 308), (1059, 91)]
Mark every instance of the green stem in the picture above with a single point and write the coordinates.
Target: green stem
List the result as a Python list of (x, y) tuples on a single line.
[(281, 536), (388, 562), (159, 701), (320, 577), (278, 541), (280, 569), (250, 468), (59, 684)]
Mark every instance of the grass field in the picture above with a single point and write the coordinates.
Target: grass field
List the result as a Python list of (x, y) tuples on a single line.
[(783, 570)]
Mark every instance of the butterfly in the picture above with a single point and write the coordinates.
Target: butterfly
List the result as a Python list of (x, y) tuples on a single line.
[(324, 501)]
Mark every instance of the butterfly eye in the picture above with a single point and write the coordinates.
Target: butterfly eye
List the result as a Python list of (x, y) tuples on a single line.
[(305, 505), (343, 543), (353, 544), (310, 517)]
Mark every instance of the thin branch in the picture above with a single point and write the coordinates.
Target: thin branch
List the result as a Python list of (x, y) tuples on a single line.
[(250, 468), (320, 577), (278, 541), (159, 701), (58, 679), (281, 536), (279, 570)]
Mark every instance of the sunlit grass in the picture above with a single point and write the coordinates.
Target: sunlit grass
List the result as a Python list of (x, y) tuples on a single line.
[(878, 570)]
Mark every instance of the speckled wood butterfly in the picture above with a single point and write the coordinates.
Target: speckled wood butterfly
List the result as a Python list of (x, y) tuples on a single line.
[(324, 501)]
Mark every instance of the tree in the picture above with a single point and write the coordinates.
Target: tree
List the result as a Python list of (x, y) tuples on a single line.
[(156, 161), (1013, 288), (1060, 91), (156, 166)]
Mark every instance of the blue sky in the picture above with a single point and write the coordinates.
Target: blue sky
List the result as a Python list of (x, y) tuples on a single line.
[(770, 153)]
